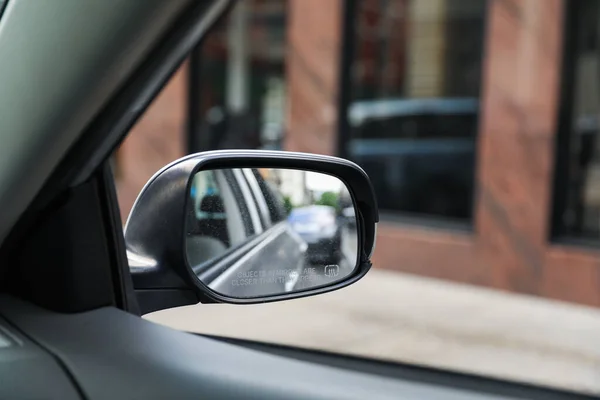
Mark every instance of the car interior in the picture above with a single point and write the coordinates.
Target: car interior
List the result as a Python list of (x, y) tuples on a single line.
[(70, 319)]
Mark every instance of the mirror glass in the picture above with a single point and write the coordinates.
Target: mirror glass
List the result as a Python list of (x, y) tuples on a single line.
[(255, 232)]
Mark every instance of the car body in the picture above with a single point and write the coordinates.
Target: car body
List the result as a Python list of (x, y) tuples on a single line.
[(349, 217), (319, 226)]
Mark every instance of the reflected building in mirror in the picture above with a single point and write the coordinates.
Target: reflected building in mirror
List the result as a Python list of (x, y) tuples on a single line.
[(291, 183)]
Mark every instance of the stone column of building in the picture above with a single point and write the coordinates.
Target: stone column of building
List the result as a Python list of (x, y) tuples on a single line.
[(237, 84), (516, 157), (312, 75)]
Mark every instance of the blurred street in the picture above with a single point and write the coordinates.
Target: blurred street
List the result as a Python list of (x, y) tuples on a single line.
[(412, 319)]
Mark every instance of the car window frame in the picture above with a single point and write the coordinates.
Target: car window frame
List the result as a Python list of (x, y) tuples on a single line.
[(252, 207), (234, 184), (270, 196), (258, 196)]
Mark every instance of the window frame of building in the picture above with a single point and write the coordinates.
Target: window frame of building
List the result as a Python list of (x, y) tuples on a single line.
[(566, 111), (344, 131)]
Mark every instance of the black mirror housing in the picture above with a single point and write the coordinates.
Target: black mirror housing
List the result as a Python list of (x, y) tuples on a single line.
[(155, 232)]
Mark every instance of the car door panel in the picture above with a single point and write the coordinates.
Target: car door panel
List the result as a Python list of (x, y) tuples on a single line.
[(112, 354), (270, 266), (27, 371)]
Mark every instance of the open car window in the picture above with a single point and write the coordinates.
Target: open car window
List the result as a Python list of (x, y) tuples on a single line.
[(228, 209), (219, 216), (475, 123)]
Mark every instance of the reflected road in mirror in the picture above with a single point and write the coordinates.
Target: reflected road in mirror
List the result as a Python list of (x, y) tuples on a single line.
[(266, 232)]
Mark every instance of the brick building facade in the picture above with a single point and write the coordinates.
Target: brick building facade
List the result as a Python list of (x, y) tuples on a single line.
[(509, 243)]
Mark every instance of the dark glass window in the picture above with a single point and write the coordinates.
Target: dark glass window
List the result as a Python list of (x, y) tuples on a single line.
[(414, 102), (241, 85), (577, 186)]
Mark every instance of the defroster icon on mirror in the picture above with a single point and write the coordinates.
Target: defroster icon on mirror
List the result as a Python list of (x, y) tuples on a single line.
[(332, 271)]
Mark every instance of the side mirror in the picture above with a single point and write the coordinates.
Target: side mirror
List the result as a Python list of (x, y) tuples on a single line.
[(249, 226)]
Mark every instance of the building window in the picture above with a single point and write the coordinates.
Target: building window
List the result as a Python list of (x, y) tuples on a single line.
[(413, 106), (577, 185), (241, 85)]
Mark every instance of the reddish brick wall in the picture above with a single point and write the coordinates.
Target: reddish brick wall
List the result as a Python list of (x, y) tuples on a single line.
[(509, 247), (157, 139), (516, 142), (313, 47)]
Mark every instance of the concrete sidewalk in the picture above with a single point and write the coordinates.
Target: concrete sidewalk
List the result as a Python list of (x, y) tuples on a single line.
[(394, 316)]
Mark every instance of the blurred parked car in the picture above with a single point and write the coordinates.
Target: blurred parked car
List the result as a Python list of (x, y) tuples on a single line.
[(319, 227), (349, 217)]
